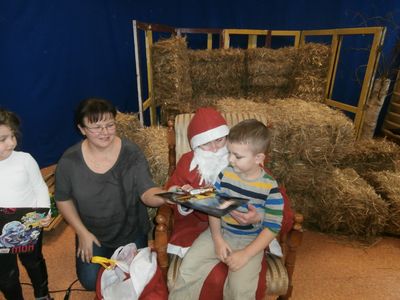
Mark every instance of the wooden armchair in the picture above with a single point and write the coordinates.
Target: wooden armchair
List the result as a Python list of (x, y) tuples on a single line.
[(280, 270)]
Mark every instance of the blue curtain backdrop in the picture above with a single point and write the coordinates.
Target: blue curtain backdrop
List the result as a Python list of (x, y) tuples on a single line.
[(55, 53)]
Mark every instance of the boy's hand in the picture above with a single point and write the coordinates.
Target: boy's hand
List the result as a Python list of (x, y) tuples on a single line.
[(237, 260), (186, 188), (249, 217), (222, 249)]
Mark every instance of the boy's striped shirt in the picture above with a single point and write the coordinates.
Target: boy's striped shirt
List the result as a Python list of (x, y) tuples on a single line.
[(262, 192)]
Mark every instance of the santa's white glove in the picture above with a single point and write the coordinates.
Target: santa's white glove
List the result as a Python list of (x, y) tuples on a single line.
[(184, 211)]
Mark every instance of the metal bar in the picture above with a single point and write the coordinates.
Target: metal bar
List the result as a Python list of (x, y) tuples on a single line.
[(138, 78)]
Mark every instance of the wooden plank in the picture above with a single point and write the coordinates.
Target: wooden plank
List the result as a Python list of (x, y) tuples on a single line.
[(155, 27), (344, 31), (341, 105), (394, 117), (253, 33), (209, 41), (200, 30), (149, 44), (391, 125), (333, 63), (147, 103), (245, 31), (226, 39), (252, 42), (54, 223), (394, 107), (391, 135)]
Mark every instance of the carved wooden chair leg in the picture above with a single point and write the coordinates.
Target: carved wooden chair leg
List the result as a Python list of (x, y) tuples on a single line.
[(293, 242), (161, 238)]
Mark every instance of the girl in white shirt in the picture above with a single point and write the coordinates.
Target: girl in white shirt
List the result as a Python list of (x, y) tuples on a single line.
[(21, 185)]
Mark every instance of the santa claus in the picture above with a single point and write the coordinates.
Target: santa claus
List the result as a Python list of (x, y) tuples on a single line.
[(200, 167)]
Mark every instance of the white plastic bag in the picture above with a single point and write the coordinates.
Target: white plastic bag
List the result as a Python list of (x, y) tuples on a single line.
[(133, 271)]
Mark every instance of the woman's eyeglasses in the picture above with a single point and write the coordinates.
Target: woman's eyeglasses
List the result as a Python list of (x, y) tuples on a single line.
[(98, 129)]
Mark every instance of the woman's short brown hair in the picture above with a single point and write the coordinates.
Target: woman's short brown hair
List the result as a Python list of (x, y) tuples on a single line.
[(94, 110)]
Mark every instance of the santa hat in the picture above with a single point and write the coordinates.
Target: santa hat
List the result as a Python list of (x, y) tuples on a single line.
[(206, 125)]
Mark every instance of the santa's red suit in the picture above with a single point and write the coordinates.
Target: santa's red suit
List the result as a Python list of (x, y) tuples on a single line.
[(187, 227)]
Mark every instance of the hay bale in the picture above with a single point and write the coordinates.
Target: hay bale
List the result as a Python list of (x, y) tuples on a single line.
[(270, 72), (217, 73), (311, 72), (297, 176), (310, 132), (344, 204), (369, 155), (302, 131), (387, 185), (172, 86), (127, 124), (153, 142)]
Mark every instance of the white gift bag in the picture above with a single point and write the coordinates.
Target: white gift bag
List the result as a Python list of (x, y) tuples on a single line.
[(133, 271)]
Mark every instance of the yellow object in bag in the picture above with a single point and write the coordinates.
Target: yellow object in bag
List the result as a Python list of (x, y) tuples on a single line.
[(106, 263)]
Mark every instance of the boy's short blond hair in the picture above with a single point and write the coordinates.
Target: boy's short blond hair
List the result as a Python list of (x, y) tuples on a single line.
[(253, 133)]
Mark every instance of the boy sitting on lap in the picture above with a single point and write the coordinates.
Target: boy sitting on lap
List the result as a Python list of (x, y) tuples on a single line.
[(240, 247)]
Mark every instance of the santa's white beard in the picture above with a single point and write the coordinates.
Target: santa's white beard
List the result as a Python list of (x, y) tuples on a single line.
[(209, 164)]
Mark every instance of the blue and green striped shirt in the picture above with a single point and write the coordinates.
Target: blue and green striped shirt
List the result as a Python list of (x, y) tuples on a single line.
[(262, 192)]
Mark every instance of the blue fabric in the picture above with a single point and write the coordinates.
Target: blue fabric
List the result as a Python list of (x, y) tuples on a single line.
[(55, 53)]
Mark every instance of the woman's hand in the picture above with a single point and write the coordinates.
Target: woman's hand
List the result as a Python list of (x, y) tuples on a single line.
[(85, 246), (249, 217)]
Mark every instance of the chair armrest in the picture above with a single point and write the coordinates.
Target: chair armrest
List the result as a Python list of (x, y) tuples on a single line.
[(164, 224)]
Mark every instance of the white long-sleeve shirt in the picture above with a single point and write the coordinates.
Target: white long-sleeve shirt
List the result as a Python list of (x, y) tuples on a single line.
[(21, 183)]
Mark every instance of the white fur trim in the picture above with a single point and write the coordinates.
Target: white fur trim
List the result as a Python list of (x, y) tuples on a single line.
[(177, 250), (275, 248), (209, 135), (184, 211)]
